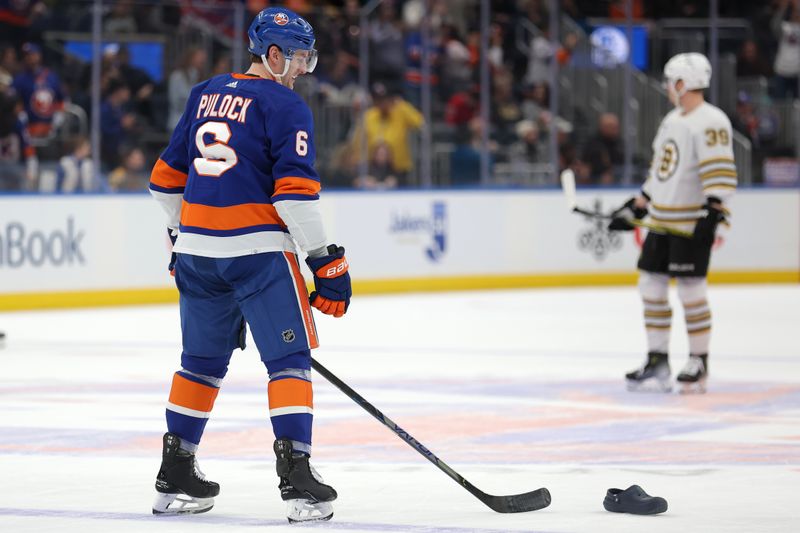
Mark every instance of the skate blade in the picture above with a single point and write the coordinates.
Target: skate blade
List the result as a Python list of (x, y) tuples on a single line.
[(302, 510), (321, 519), (649, 385), (698, 387), (174, 504)]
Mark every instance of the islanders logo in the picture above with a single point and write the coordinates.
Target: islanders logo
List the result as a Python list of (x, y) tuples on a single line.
[(281, 19)]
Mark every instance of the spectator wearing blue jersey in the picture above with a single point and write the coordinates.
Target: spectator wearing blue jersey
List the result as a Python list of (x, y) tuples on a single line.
[(117, 123), (40, 90)]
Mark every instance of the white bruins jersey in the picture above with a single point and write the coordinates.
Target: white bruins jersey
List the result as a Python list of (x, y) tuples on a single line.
[(692, 160)]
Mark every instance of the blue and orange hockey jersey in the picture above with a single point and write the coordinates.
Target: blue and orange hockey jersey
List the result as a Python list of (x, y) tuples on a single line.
[(238, 175), (42, 96)]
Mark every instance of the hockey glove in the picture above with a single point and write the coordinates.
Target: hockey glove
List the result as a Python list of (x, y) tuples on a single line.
[(331, 281), (620, 219), (706, 227), (173, 257)]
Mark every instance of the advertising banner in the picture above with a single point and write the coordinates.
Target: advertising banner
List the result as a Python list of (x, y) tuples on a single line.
[(85, 247)]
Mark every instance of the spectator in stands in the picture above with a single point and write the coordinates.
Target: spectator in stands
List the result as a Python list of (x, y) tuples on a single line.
[(381, 173), (132, 175), (22, 21), (222, 65), (337, 84), (18, 162), (181, 81), (527, 151), (750, 62), (759, 124), (390, 120), (350, 29), (462, 107), (137, 80), (117, 123), (8, 61), (414, 59), (387, 51), (506, 112), (39, 88), (76, 170), (455, 68), (121, 19), (535, 99), (496, 39), (465, 161), (786, 25), (604, 151), (539, 53), (529, 146)]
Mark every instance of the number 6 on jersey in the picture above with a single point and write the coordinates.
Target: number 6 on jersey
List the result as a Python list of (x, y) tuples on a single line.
[(301, 143), (218, 157)]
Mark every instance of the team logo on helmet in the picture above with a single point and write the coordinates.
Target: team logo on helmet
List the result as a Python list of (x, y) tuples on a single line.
[(281, 19)]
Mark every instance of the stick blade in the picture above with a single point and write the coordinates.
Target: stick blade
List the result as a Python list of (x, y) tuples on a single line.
[(519, 503)]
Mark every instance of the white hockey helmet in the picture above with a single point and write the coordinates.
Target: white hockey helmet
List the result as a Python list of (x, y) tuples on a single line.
[(693, 68)]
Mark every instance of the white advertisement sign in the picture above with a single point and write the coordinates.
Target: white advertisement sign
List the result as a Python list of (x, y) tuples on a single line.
[(85, 243), (74, 243)]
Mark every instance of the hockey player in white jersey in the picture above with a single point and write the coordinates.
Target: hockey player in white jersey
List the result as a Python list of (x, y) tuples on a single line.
[(691, 179)]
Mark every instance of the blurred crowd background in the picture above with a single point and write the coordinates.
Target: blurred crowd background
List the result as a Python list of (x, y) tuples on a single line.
[(413, 93)]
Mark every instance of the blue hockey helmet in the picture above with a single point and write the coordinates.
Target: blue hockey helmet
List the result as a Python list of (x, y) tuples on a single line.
[(285, 29)]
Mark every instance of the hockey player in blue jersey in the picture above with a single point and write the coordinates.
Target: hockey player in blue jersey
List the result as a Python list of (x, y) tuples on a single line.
[(240, 190)]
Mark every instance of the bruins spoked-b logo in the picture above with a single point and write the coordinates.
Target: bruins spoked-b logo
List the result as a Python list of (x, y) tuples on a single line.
[(668, 159), (288, 335)]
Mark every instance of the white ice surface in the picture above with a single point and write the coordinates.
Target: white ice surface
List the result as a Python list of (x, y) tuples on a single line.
[(513, 389)]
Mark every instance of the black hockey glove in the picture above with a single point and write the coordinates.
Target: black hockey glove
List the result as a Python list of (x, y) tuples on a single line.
[(173, 257), (621, 217), (706, 227)]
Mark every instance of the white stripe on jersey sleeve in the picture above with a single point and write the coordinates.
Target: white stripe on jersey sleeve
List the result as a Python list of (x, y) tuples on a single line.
[(304, 221), (171, 204)]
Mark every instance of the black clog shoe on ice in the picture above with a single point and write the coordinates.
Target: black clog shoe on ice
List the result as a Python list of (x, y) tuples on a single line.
[(633, 500)]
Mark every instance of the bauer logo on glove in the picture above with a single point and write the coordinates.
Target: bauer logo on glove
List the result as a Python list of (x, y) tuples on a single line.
[(331, 282)]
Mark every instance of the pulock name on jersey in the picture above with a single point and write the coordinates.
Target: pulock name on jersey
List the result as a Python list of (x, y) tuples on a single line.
[(230, 107)]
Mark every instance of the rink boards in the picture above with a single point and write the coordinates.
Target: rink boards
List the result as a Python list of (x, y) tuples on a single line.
[(103, 250)]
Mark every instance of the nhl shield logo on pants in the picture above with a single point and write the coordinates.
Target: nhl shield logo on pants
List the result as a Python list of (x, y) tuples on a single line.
[(288, 335)]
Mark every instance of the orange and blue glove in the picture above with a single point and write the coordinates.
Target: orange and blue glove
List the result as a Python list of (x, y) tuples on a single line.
[(331, 281)]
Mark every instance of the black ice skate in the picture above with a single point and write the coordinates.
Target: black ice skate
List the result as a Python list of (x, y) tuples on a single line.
[(181, 486), (693, 376), (306, 495), (653, 376)]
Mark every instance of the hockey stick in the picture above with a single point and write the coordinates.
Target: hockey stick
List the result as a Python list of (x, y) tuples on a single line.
[(568, 186), (516, 503)]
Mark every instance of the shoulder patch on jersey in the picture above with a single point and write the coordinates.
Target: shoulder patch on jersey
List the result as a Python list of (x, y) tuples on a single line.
[(233, 84)]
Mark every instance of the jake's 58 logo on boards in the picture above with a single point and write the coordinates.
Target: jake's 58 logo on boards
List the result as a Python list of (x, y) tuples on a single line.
[(432, 226)]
